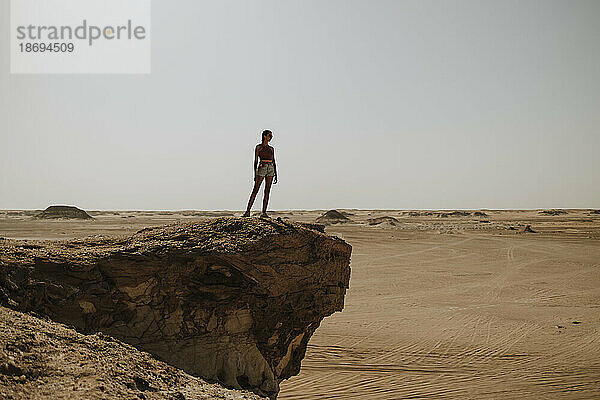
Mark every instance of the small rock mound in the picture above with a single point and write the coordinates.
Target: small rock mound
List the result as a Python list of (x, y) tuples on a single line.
[(383, 221), (595, 212), (479, 214), (333, 217), (552, 212), (421, 213), (456, 213), (528, 229), (63, 212)]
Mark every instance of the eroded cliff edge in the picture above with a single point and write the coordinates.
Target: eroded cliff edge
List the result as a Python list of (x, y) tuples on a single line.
[(42, 359), (233, 300)]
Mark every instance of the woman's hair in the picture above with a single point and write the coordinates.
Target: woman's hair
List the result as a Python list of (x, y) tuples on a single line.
[(265, 133)]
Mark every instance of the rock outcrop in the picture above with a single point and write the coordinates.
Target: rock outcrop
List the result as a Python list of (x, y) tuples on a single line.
[(63, 212), (44, 360), (456, 213), (333, 217), (529, 229), (552, 212), (233, 300), (383, 221)]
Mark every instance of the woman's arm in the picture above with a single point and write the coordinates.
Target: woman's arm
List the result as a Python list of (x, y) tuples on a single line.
[(255, 160), (275, 168)]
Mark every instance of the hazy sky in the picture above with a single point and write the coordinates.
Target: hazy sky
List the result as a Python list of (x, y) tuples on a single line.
[(373, 104)]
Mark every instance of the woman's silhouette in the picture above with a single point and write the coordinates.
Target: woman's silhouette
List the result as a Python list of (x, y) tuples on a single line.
[(267, 170)]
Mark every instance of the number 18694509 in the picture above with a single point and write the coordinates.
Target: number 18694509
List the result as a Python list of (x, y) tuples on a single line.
[(46, 47)]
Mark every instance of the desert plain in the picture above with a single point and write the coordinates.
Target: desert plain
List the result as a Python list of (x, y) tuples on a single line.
[(446, 304)]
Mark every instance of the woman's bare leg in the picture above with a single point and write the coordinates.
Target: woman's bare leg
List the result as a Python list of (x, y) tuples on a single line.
[(257, 183), (268, 181)]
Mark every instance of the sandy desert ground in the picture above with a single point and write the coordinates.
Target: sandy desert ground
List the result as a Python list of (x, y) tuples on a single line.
[(441, 304)]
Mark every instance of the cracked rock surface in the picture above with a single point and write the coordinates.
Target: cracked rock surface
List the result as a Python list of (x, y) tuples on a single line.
[(233, 300), (42, 360)]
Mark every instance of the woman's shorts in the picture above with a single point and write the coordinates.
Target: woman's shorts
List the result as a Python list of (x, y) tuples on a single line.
[(266, 169)]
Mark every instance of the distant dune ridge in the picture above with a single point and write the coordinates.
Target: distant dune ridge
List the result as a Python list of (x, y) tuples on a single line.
[(63, 212), (446, 214)]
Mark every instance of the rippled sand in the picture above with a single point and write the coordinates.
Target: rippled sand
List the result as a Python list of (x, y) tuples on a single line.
[(472, 314)]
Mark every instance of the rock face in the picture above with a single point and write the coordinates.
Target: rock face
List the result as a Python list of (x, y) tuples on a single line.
[(65, 212), (44, 360), (233, 300)]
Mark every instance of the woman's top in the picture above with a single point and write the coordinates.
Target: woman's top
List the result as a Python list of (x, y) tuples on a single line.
[(266, 153)]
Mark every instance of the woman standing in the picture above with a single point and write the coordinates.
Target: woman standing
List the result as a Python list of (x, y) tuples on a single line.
[(267, 170)]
